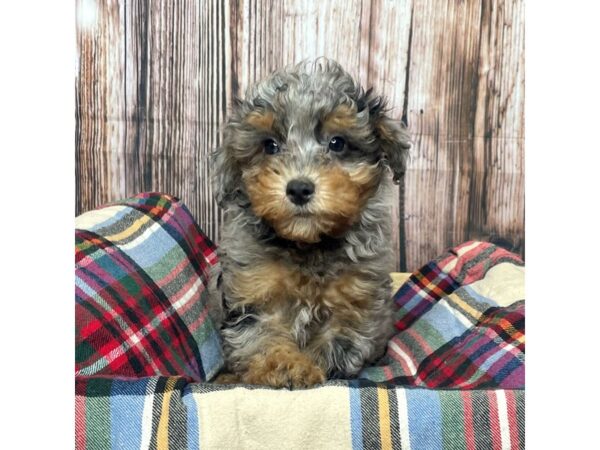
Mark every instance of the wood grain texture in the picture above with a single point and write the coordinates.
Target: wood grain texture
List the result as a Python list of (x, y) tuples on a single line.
[(155, 79), (100, 128), (387, 64), (465, 111)]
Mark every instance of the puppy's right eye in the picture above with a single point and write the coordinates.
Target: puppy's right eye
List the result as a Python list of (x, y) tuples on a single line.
[(271, 147), (337, 144)]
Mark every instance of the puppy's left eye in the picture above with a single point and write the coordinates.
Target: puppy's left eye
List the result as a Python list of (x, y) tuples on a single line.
[(271, 147), (337, 144)]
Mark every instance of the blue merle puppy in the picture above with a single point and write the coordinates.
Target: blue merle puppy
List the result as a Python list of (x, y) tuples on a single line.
[(302, 289)]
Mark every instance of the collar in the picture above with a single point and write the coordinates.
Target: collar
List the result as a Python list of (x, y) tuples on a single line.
[(327, 243)]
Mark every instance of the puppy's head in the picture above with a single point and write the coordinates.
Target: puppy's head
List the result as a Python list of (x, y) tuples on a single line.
[(308, 148)]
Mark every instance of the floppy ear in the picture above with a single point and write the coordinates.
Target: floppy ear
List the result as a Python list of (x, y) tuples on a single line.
[(395, 144), (392, 135), (224, 177)]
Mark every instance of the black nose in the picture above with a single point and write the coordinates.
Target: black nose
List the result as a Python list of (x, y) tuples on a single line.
[(300, 191)]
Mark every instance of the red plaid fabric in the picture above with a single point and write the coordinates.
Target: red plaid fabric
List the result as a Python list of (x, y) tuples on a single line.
[(451, 331), (140, 292)]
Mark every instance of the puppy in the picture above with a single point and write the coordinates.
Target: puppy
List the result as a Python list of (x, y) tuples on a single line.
[(302, 288)]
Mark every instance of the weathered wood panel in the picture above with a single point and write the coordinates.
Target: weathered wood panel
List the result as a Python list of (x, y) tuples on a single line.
[(387, 65), (464, 109), (441, 94), (152, 90), (176, 98), (499, 198), (100, 128), (269, 34), (155, 79)]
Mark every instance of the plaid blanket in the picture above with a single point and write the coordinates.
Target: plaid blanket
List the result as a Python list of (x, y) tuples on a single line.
[(140, 288), (452, 378)]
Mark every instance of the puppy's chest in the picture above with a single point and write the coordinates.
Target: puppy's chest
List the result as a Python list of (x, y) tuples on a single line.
[(277, 288)]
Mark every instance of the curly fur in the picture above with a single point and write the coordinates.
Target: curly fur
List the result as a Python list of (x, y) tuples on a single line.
[(302, 293)]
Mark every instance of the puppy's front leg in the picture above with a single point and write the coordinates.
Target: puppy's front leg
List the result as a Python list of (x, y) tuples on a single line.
[(259, 345), (262, 351), (360, 324), (282, 364), (279, 364)]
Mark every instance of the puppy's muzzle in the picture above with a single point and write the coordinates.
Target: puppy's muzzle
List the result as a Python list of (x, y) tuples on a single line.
[(300, 191)]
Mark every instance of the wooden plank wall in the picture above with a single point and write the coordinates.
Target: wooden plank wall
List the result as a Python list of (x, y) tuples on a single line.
[(155, 79)]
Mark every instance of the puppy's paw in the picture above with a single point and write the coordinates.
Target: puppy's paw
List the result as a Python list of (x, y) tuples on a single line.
[(283, 366)]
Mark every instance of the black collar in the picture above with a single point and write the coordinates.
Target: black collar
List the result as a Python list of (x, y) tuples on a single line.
[(327, 243)]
